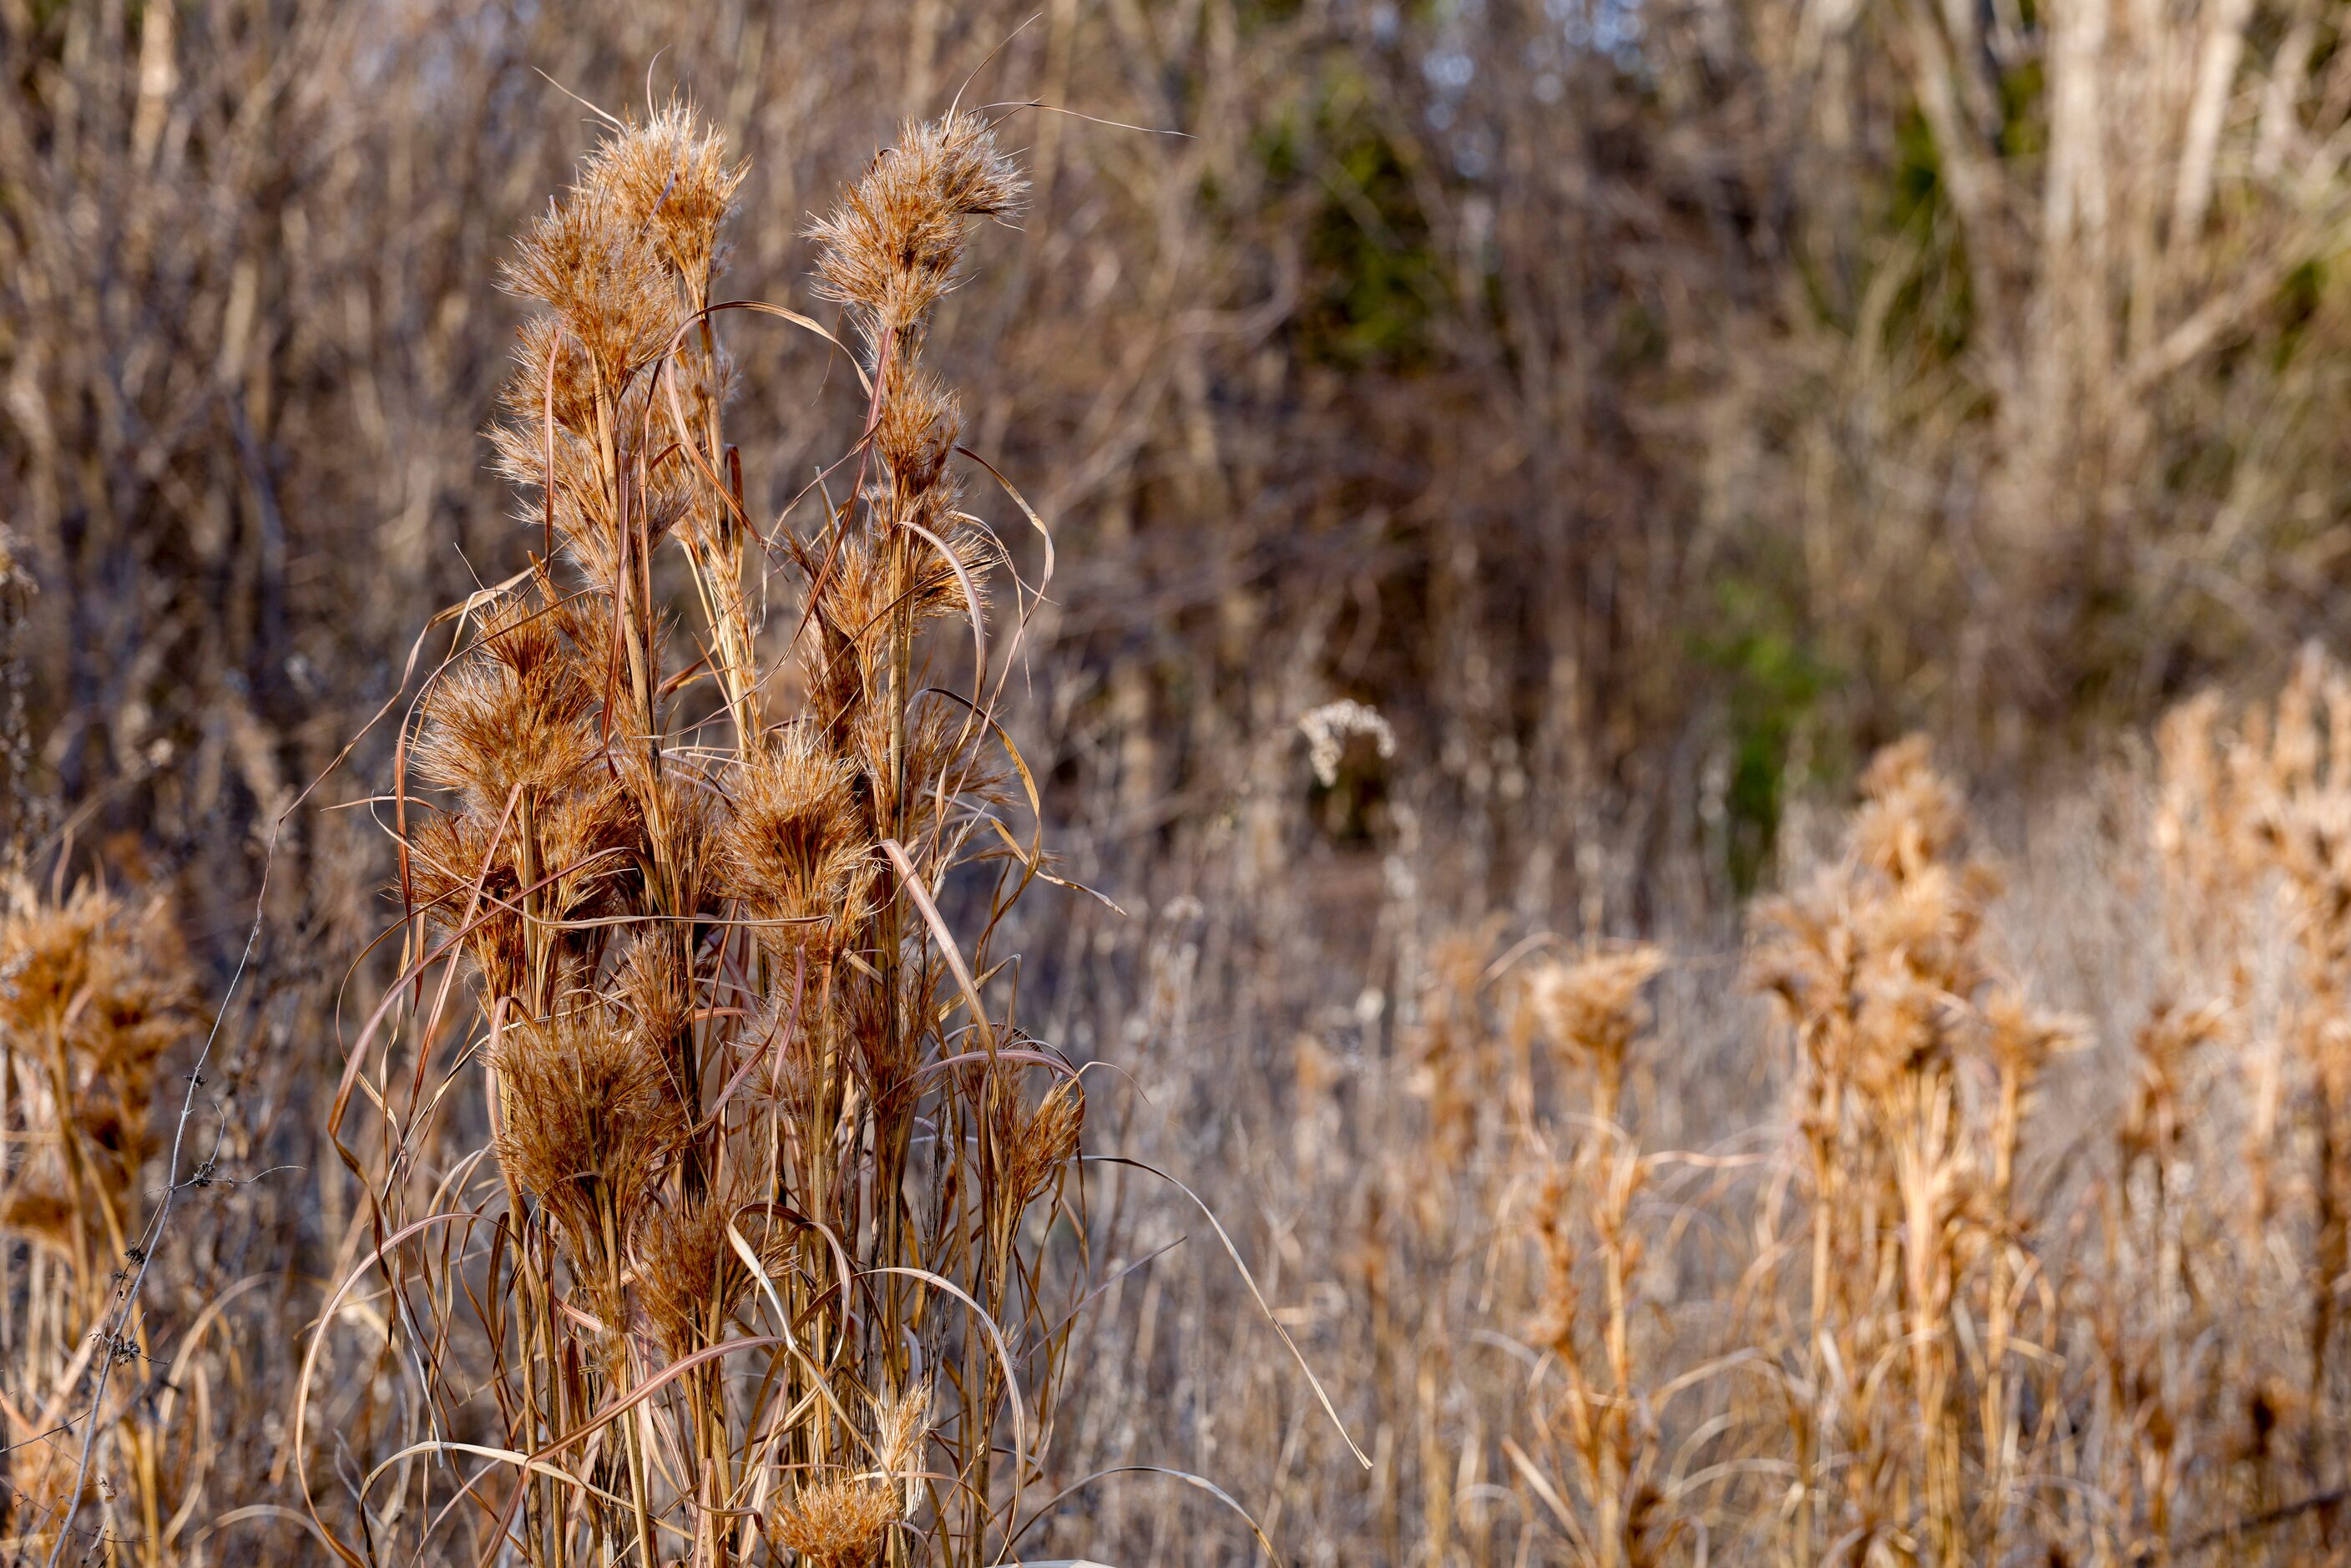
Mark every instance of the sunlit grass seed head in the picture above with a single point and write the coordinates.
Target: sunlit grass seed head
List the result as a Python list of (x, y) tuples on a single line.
[(796, 853), (591, 1121), (668, 179), (838, 1524), (892, 248)]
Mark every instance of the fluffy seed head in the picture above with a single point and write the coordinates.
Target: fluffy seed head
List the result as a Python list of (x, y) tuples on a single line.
[(668, 179), (891, 247), (2166, 1046), (590, 1121), (1913, 816), (2022, 1038), (100, 988), (604, 279), (873, 581), (690, 1278), (1590, 1007), (905, 1426), (839, 1523), (1039, 1144), (581, 837), (111, 974), (916, 430), (517, 711), (795, 846), (542, 342), (654, 987)]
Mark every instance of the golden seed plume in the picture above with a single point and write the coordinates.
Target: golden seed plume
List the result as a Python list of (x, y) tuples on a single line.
[(669, 178), (604, 280), (905, 1426), (690, 1278), (97, 989), (519, 711), (1912, 816), (796, 850), (589, 1123), (840, 1524), (1040, 1142), (891, 247), (1590, 1006)]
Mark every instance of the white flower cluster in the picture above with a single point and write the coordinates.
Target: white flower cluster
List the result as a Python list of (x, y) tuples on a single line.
[(1328, 729)]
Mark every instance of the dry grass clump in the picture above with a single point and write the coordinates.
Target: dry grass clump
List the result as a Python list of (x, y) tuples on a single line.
[(1880, 975), (1605, 1424), (1591, 1009), (2263, 817), (1953, 1275), (724, 1209), (95, 990)]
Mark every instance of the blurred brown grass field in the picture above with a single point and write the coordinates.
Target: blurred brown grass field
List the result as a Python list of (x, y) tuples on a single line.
[(1471, 784)]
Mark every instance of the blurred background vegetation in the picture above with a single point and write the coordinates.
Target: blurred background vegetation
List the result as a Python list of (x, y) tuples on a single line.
[(1647, 406)]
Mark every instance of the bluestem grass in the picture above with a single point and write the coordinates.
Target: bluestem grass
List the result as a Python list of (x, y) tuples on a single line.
[(761, 1257)]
